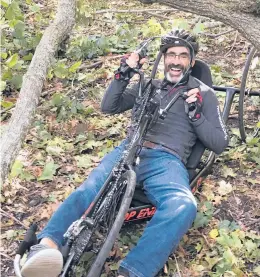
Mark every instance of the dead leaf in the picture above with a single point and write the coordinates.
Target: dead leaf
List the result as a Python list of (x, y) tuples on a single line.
[(224, 188), (47, 211)]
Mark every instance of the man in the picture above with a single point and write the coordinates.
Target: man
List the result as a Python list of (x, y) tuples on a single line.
[(167, 146)]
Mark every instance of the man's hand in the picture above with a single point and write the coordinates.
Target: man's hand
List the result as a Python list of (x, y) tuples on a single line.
[(192, 95), (128, 62), (133, 60), (193, 104)]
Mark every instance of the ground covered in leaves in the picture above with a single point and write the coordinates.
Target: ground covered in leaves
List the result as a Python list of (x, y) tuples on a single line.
[(69, 136)]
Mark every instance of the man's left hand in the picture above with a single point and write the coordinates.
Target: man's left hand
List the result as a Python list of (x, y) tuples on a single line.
[(193, 104)]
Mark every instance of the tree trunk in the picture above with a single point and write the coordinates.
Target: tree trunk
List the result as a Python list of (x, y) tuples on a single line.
[(243, 16), (26, 105)]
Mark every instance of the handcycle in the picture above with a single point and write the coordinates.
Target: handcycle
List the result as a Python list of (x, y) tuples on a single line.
[(121, 200)]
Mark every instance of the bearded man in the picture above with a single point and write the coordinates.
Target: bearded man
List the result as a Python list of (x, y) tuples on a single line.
[(162, 168)]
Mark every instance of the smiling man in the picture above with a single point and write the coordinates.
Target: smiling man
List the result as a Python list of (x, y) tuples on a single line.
[(162, 170), (176, 62)]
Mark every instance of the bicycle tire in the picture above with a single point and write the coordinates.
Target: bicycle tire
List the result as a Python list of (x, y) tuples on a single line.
[(96, 268), (242, 93), (97, 265)]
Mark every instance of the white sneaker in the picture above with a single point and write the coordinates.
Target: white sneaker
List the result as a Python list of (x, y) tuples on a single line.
[(42, 261)]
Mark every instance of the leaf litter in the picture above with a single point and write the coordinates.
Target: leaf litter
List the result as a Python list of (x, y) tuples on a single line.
[(69, 137)]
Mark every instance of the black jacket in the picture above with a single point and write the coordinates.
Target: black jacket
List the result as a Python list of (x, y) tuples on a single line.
[(176, 132)]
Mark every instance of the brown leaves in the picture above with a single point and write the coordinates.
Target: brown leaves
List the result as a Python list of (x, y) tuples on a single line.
[(47, 210)]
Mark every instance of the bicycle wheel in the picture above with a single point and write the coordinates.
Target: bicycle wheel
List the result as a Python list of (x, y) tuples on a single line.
[(248, 111), (98, 242)]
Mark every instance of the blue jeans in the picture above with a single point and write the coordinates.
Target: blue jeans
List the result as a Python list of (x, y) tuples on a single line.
[(166, 183)]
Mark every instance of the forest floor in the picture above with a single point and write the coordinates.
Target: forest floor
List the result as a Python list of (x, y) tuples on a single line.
[(69, 136)]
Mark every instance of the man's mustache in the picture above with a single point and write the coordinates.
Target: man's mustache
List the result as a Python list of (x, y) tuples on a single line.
[(177, 66)]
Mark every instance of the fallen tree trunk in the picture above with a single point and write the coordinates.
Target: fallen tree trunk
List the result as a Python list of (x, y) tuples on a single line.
[(26, 105), (243, 16)]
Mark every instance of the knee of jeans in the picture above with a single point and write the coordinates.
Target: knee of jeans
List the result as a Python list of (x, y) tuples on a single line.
[(89, 184), (185, 205), (190, 205)]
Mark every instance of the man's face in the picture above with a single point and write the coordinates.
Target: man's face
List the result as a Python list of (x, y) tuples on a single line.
[(176, 62)]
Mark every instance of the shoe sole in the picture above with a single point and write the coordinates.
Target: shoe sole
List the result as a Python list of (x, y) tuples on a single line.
[(45, 263)]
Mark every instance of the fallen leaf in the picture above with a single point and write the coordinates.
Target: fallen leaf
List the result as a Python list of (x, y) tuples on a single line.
[(48, 171), (213, 233), (224, 188), (227, 171)]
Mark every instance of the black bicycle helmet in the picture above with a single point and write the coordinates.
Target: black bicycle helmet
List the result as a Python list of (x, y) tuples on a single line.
[(179, 37)]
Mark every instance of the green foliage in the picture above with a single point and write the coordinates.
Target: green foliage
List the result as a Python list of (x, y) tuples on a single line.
[(18, 170), (204, 215), (18, 40), (48, 171), (92, 46), (152, 28), (88, 47), (235, 247), (65, 107)]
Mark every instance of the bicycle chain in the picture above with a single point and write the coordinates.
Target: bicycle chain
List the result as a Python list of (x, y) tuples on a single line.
[(81, 243)]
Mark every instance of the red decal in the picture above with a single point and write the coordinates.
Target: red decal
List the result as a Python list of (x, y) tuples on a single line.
[(199, 97), (130, 215), (146, 212), (88, 210)]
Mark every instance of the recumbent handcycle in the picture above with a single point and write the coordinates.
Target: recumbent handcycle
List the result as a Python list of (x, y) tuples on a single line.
[(121, 200)]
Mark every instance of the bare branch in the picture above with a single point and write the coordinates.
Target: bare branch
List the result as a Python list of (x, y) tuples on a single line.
[(134, 11), (242, 16)]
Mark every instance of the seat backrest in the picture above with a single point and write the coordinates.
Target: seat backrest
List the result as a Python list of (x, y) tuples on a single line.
[(202, 72)]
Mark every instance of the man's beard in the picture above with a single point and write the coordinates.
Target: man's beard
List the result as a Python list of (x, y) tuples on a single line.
[(174, 79)]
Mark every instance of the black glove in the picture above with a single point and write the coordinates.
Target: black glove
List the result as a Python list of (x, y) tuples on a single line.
[(193, 109), (124, 72)]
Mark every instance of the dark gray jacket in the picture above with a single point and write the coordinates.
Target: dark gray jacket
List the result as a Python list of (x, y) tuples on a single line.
[(176, 132)]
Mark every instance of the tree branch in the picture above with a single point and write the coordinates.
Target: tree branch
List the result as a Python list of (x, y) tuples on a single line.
[(242, 16), (134, 11)]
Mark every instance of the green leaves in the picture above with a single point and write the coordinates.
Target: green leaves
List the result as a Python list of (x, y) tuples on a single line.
[(65, 107), (230, 257), (227, 171), (5, 3), (16, 169), (12, 61), (198, 28), (19, 29), (2, 85), (7, 104), (152, 28), (204, 215), (13, 11), (75, 67), (48, 171)]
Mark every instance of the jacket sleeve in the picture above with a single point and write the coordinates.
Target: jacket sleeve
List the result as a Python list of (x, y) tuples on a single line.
[(210, 128), (118, 97)]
